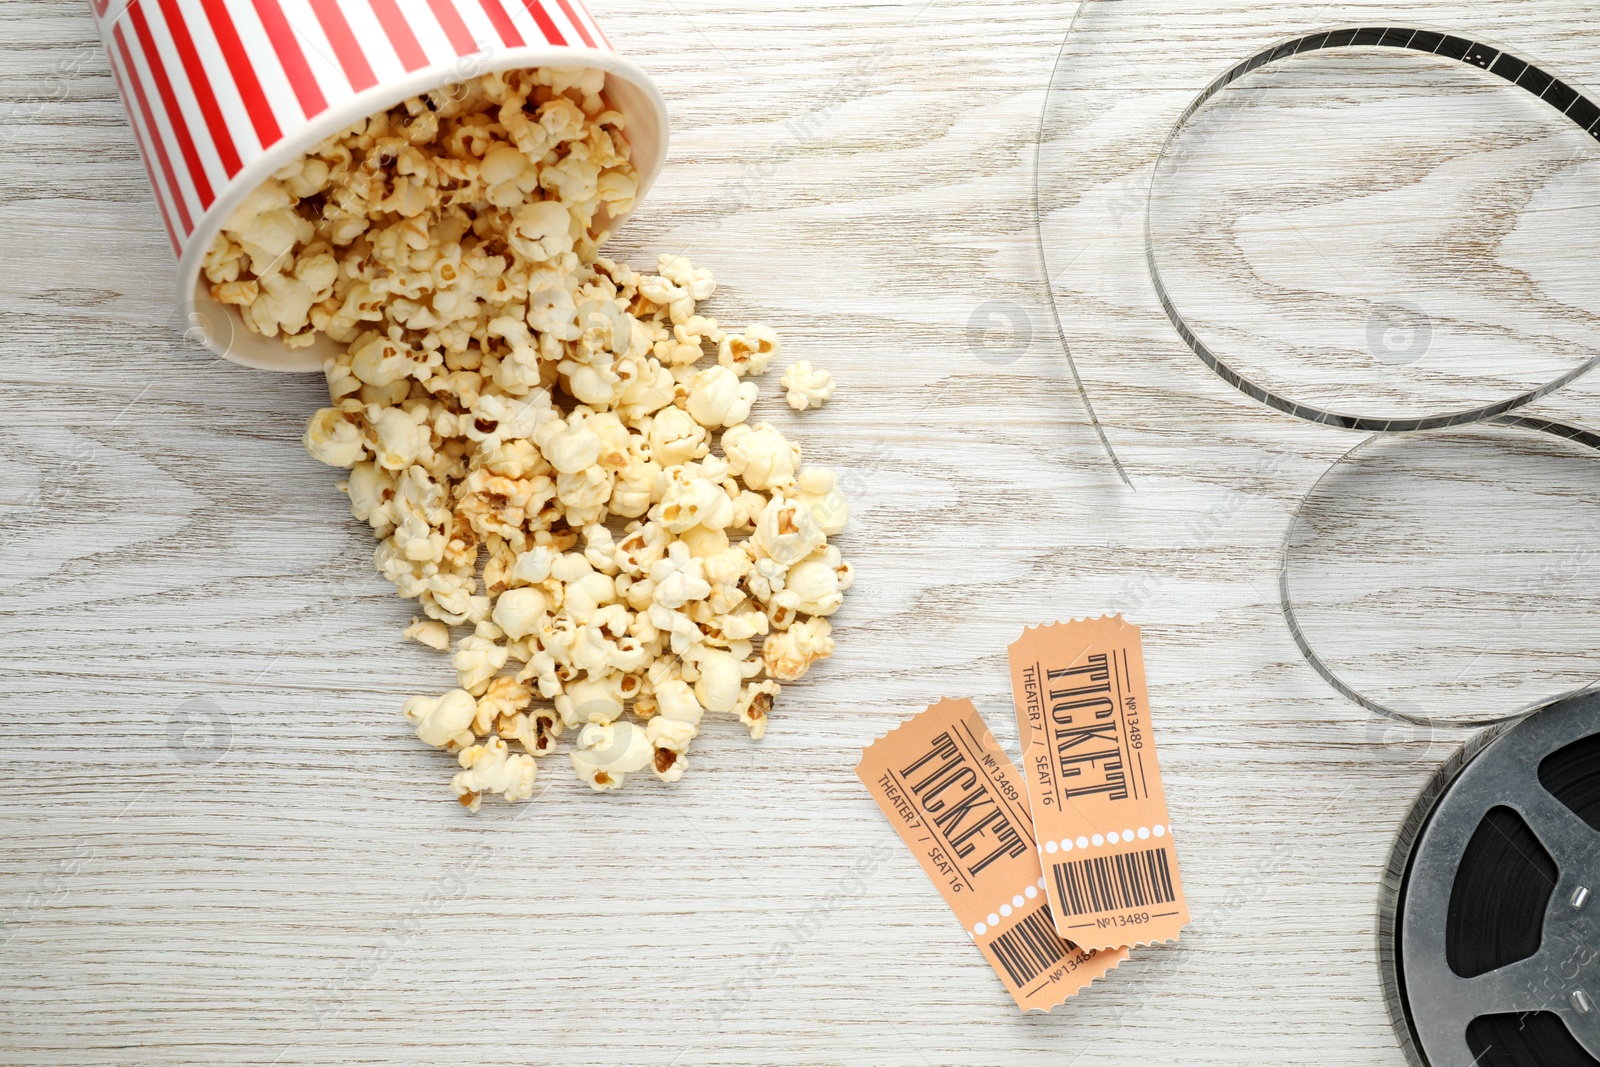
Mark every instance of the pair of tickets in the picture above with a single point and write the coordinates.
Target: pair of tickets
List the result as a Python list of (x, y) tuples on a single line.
[(1058, 870)]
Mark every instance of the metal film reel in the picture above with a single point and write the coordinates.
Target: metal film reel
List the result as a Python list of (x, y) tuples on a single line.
[(1490, 910)]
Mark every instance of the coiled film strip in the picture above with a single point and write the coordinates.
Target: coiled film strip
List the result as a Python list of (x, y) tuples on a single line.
[(1517, 70)]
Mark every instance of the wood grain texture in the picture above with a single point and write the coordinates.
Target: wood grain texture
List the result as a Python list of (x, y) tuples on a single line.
[(858, 175)]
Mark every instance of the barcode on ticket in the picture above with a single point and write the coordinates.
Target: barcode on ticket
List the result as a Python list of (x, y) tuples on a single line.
[(1031, 947), (1115, 882)]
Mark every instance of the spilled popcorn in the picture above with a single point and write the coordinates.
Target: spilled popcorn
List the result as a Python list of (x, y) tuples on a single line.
[(807, 386), (529, 430)]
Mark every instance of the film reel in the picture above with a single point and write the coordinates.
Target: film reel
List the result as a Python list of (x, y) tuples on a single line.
[(1489, 914)]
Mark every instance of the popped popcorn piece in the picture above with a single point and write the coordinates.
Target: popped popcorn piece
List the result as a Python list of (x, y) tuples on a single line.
[(478, 658), (520, 612), (671, 739), (808, 386), (608, 751), (592, 700), (533, 566), (676, 702), (678, 270), (535, 731), (503, 399), (491, 768), (332, 438), (818, 490), (816, 585), (718, 398), (675, 437), (502, 701), (444, 722), (669, 764), (749, 353), (428, 632), (678, 578), (788, 655), (400, 439), (760, 455), (787, 532), (720, 676), (671, 734), (754, 705)]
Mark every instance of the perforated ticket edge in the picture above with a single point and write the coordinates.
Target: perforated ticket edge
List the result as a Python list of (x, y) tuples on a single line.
[(1031, 995), (1070, 829)]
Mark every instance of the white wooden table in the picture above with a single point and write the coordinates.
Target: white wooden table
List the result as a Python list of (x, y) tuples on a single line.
[(306, 891)]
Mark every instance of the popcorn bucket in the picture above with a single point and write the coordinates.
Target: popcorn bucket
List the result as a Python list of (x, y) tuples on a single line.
[(222, 93)]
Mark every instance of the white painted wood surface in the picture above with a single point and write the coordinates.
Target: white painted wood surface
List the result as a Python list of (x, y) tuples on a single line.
[(860, 176)]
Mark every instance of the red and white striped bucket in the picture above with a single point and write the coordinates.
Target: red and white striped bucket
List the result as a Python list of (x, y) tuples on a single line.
[(222, 93)]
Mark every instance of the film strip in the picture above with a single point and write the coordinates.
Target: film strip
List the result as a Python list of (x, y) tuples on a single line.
[(1520, 71), (1325, 670)]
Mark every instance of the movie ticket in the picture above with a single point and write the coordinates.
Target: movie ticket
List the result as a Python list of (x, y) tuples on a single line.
[(1093, 783), (957, 802)]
